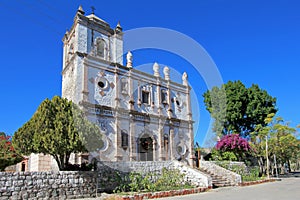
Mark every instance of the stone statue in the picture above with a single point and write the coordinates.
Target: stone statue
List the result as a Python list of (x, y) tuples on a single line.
[(184, 78), (156, 69), (167, 73), (129, 59)]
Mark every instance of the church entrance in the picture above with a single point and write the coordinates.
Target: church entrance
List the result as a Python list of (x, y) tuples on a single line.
[(145, 144)]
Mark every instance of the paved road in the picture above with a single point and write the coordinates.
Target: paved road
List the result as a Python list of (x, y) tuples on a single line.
[(287, 189)]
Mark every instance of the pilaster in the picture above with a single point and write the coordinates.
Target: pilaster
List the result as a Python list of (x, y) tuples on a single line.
[(191, 146), (118, 139), (132, 142), (85, 91), (171, 142), (130, 91), (154, 149), (161, 145)]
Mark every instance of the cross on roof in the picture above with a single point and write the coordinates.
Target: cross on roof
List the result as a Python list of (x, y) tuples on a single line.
[(93, 9)]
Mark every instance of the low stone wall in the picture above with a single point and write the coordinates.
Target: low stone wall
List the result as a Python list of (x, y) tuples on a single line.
[(233, 165), (47, 185), (211, 167), (195, 177), (78, 184)]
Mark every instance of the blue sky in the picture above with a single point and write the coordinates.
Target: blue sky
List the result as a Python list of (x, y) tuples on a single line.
[(252, 41)]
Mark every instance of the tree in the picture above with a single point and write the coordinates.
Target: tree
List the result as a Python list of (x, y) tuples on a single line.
[(58, 128), (8, 155), (237, 109), (282, 142)]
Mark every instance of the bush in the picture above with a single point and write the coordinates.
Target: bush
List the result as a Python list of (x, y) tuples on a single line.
[(232, 147), (220, 155), (247, 175), (167, 180)]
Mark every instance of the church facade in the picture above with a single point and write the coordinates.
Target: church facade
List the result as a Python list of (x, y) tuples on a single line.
[(143, 117)]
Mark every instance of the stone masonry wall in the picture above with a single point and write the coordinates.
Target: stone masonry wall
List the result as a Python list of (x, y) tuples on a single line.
[(78, 184), (230, 165), (47, 185)]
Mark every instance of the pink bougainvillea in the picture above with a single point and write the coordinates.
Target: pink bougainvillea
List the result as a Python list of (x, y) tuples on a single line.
[(233, 142)]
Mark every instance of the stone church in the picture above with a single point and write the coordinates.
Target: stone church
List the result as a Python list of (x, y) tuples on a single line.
[(143, 117)]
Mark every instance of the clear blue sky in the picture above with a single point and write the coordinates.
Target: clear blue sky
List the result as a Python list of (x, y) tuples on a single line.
[(252, 41)]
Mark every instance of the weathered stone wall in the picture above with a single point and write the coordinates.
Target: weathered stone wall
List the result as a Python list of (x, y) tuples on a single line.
[(77, 184), (233, 166), (211, 167), (47, 185)]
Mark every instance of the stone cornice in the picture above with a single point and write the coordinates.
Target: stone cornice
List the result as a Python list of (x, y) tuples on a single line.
[(137, 116), (92, 61)]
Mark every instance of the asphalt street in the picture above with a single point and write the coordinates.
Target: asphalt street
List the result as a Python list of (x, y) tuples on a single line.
[(286, 189)]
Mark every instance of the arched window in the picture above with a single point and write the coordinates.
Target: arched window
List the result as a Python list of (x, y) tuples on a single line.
[(100, 47)]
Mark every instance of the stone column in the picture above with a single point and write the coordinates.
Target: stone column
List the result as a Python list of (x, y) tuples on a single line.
[(171, 142), (158, 91), (167, 78), (139, 94), (191, 146), (132, 141), (130, 91), (85, 90), (130, 81), (118, 139), (160, 140), (117, 88), (190, 120), (154, 148)]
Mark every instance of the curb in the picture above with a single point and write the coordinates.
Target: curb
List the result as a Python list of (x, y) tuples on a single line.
[(256, 182), (153, 195)]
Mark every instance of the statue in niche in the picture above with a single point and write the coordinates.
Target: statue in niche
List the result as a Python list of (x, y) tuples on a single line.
[(124, 86)]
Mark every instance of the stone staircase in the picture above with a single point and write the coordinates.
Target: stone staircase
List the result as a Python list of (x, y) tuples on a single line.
[(220, 177), (217, 180)]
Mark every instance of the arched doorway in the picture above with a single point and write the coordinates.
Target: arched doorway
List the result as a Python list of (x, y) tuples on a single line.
[(145, 148)]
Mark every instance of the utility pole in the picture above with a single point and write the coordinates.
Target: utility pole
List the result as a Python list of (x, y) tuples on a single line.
[(268, 176)]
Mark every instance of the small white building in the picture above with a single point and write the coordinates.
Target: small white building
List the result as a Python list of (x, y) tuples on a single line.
[(144, 117)]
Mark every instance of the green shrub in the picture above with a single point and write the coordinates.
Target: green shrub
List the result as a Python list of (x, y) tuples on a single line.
[(167, 180), (218, 155)]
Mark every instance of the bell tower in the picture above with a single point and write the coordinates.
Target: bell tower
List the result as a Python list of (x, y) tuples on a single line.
[(88, 36)]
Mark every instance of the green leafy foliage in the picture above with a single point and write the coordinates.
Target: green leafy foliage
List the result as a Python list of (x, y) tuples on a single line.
[(218, 155), (237, 109), (247, 175), (167, 180), (282, 142), (58, 128), (8, 155)]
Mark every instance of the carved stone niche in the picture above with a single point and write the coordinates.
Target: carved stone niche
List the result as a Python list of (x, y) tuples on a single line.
[(124, 86), (124, 139)]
